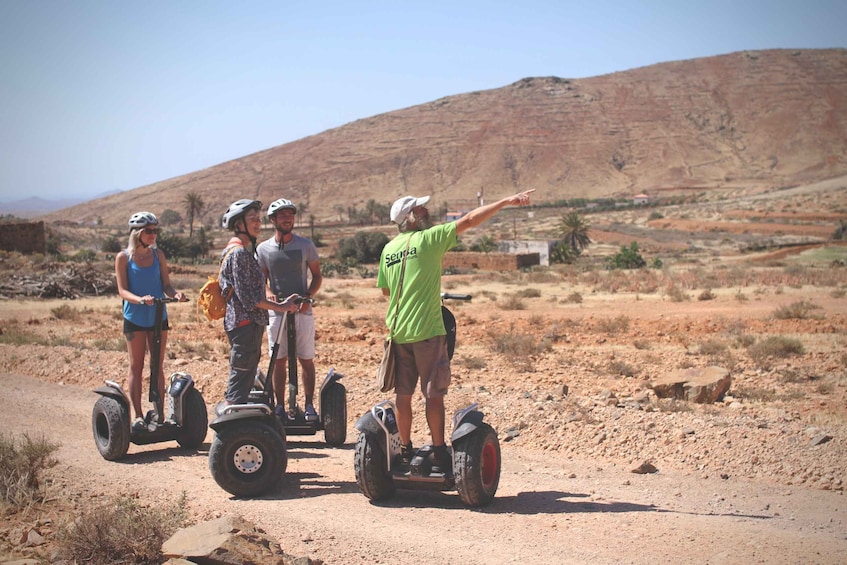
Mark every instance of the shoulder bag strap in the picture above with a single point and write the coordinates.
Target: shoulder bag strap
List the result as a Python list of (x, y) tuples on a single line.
[(400, 287)]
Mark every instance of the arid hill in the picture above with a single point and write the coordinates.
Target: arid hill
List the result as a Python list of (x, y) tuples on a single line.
[(730, 124)]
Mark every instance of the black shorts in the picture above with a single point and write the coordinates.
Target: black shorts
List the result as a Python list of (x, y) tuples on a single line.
[(130, 327)]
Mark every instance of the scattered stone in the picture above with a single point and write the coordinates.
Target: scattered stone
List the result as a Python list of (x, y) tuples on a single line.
[(645, 468), (820, 439), (703, 386), (228, 540)]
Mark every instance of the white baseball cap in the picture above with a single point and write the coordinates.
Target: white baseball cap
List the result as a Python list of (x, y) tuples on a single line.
[(403, 206)]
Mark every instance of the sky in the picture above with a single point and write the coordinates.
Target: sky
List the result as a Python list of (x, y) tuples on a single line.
[(105, 95)]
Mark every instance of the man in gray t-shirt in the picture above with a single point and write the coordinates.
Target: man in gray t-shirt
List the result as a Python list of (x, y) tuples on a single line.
[(290, 263)]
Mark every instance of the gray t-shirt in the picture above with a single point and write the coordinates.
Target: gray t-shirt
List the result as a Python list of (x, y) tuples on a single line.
[(287, 269)]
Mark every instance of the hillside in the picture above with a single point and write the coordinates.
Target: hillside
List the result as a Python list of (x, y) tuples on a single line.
[(737, 123)]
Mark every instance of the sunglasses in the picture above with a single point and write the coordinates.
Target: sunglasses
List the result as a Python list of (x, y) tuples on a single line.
[(151, 231)]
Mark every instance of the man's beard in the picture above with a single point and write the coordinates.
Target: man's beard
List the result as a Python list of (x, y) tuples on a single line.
[(424, 222)]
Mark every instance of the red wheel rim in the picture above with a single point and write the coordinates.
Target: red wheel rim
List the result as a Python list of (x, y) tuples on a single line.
[(489, 464)]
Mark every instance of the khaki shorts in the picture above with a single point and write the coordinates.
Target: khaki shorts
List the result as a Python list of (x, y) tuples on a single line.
[(304, 325), (427, 359)]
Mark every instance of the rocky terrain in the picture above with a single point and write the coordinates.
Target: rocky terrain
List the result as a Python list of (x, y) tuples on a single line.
[(563, 362)]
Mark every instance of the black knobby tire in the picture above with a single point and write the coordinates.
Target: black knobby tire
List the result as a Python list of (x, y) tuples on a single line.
[(334, 414), (110, 424), (195, 422), (476, 466), (371, 469), (247, 458)]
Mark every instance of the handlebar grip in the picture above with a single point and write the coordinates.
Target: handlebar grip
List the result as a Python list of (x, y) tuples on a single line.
[(451, 296)]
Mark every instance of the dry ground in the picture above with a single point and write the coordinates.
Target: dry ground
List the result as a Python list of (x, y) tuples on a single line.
[(560, 361)]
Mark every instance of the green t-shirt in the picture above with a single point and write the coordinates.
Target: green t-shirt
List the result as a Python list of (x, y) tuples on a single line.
[(419, 317)]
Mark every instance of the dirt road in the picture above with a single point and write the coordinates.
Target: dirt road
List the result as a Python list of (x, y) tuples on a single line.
[(549, 509)]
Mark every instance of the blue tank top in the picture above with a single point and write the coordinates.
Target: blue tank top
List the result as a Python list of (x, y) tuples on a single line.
[(143, 281)]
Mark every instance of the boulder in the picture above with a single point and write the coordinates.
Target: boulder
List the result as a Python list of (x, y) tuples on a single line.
[(227, 540), (700, 385)]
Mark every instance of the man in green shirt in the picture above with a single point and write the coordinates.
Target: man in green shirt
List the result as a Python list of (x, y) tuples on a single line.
[(419, 334)]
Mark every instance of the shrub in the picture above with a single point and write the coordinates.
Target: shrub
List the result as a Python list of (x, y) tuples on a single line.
[(775, 347), (706, 295), (21, 466), (512, 302), (122, 531), (574, 298), (484, 244), (363, 247), (613, 326), (517, 346), (529, 293), (562, 253), (626, 258), (800, 310), (676, 294), (621, 368)]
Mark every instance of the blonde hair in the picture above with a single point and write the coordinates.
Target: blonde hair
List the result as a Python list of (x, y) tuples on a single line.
[(134, 236)]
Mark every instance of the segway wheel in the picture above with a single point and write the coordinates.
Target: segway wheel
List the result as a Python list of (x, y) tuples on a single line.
[(371, 469), (192, 430), (247, 459), (476, 466), (110, 423), (334, 414)]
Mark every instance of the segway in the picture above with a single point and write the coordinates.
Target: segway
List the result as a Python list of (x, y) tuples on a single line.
[(248, 456), (332, 407), (475, 449), (184, 418)]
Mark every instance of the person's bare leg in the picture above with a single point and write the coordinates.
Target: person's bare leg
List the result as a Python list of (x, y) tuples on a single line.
[(136, 345), (403, 403), (308, 366), (435, 419)]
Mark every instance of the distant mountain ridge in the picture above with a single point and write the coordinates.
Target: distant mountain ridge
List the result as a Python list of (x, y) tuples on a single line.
[(746, 121), (35, 206)]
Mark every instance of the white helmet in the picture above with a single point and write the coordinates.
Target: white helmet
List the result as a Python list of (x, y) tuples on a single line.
[(236, 210), (281, 204), (141, 219)]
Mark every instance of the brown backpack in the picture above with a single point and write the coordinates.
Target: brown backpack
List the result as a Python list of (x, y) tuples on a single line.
[(211, 300)]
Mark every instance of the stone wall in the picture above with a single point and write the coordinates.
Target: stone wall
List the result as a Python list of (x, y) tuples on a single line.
[(542, 248), (489, 261), (25, 237)]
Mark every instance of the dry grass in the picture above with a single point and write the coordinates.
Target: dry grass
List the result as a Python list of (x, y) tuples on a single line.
[(22, 464), (122, 531)]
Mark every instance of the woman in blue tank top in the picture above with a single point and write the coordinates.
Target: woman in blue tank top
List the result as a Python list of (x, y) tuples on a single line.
[(141, 271)]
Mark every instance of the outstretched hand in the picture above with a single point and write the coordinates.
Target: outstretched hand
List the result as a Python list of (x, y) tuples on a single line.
[(521, 198)]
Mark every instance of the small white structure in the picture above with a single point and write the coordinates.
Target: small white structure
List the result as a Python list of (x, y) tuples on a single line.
[(528, 246), (641, 199)]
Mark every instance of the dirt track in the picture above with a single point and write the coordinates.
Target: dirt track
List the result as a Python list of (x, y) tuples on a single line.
[(548, 509)]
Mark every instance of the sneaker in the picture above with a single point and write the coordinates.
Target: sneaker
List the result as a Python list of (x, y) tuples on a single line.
[(138, 425), (311, 415), (279, 411), (443, 460)]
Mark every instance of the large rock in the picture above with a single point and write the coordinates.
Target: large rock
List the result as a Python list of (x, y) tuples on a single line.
[(225, 541), (702, 386)]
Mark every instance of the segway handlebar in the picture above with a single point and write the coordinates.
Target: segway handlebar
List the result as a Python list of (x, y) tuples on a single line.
[(168, 300), (451, 296)]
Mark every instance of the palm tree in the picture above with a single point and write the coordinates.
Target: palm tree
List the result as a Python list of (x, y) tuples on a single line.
[(193, 207), (574, 230)]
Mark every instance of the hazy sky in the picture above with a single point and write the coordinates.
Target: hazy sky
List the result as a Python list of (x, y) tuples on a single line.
[(102, 95)]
